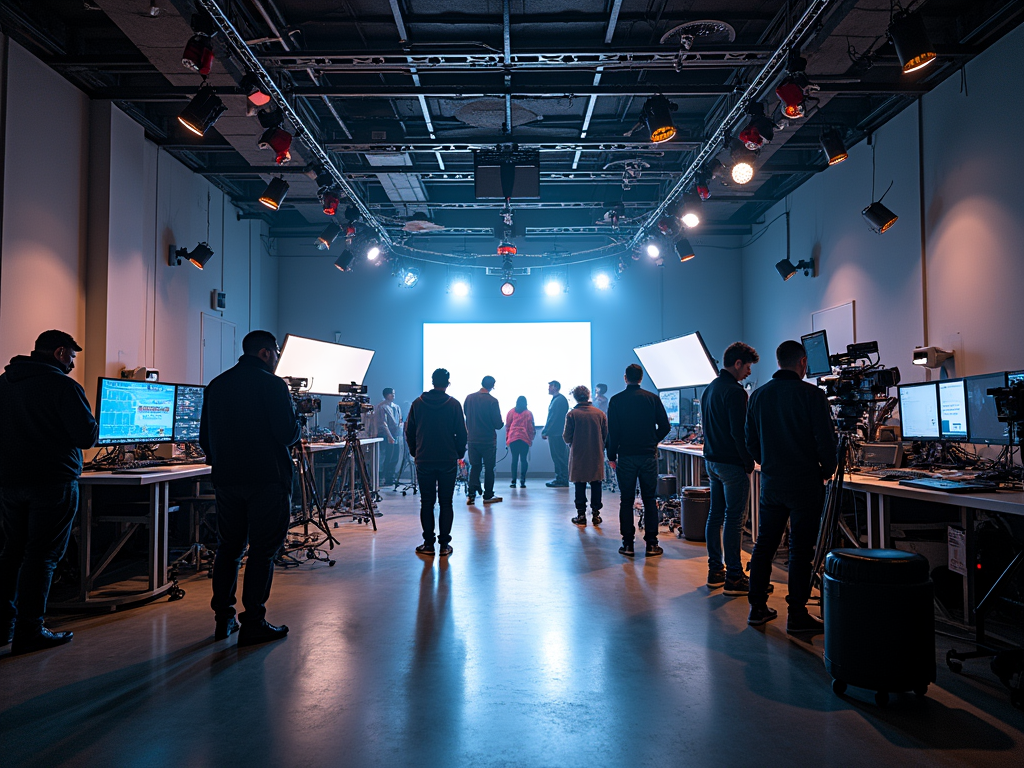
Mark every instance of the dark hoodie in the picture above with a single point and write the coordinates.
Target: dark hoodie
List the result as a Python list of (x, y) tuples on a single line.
[(436, 430), (45, 421)]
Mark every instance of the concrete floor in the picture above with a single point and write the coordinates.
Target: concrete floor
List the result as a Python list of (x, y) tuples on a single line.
[(536, 644)]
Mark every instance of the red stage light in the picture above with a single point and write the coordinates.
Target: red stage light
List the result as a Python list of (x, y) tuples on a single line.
[(198, 54)]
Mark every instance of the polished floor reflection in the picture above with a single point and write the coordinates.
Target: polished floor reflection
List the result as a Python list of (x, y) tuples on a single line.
[(536, 644)]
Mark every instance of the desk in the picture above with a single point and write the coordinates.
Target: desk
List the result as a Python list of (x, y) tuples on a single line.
[(155, 520)]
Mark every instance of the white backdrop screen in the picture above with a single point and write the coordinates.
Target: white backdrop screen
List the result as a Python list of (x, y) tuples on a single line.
[(326, 365), (677, 363), (522, 357)]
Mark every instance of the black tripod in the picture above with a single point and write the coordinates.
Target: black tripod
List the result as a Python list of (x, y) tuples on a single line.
[(832, 522), (350, 470), (312, 512)]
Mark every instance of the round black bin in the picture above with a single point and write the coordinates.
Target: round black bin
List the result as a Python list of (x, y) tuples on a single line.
[(879, 621), (696, 505), (666, 486)]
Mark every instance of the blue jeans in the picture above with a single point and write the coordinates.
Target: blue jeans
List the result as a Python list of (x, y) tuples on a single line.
[(730, 486)]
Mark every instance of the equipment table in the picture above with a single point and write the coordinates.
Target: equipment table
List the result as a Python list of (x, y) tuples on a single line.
[(158, 480)]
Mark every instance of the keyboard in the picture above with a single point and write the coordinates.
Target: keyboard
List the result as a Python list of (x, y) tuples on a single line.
[(154, 465), (950, 486), (894, 475)]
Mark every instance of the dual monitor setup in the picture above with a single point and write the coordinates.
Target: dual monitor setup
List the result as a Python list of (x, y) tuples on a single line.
[(676, 364), (131, 411)]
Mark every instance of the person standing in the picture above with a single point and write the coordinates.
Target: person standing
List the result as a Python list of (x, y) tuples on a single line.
[(483, 419), (729, 464), (637, 422), (45, 421), (436, 434), (519, 434), (790, 433), (601, 399), (388, 416), (552, 432), (586, 433), (246, 429)]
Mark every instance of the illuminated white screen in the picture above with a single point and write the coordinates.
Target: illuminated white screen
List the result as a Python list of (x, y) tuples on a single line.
[(522, 357), (953, 408), (677, 363), (919, 411), (324, 364)]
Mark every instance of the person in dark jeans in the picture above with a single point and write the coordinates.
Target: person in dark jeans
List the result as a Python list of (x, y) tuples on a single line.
[(729, 464), (435, 432), (519, 434), (552, 432), (483, 419), (789, 431), (637, 422), (586, 433), (45, 421), (246, 429)]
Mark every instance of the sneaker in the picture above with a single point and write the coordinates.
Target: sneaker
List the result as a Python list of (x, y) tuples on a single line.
[(580, 520), (445, 550), (471, 499), (653, 550), (626, 549), (492, 500), (716, 579), (737, 587), (761, 614), (803, 623), (597, 520), (425, 549), (513, 484)]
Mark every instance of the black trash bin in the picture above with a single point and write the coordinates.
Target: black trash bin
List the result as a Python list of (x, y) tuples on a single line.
[(879, 621), (696, 505)]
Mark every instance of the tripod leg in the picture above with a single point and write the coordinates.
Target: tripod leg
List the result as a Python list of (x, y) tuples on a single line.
[(367, 491)]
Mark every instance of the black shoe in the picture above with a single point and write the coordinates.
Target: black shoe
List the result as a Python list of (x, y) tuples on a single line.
[(737, 587), (653, 550), (224, 628), (513, 484), (761, 614), (492, 500), (716, 579), (626, 549), (471, 499), (263, 632), (43, 640), (597, 520), (446, 550), (580, 520), (522, 484), (425, 549), (804, 624)]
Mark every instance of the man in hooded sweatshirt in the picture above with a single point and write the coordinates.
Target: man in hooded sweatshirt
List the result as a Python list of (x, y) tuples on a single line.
[(435, 431), (45, 421)]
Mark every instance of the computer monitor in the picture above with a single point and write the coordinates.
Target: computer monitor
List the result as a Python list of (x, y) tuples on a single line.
[(130, 411), (1014, 377), (816, 345), (919, 411), (953, 411), (188, 407), (982, 425), (670, 399)]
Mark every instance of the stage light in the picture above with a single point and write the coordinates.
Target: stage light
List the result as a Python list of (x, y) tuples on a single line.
[(202, 112), (253, 90), (410, 277), (199, 255), (653, 250), (833, 146), (793, 89), (910, 39), (373, 251), (508, 288), (344, 262), (602, 281), (878, 217), (684, 250), (328, 236), (742, 172), (198, 54), (331, 199), (279, 140), (691, 210), (657, 116), (460, 287), (701, 184), (554, 286), (275, 193), (760, 130), (787, 268)]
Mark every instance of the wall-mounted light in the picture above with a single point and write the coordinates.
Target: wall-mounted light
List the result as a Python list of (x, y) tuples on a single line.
[(202, 112), (275, 193), (198, 256), (787, 268), (931, 357)]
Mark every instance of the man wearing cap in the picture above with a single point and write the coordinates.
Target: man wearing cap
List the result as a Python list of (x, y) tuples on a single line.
[(389, 427), (45, 421), (552, 432)]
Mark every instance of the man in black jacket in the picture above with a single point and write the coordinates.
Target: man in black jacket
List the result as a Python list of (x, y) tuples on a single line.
[(436, 434), (246, 429), (637, 422), (45, 421), (789, 431), (729, 464), (552, 432), (483, 419)]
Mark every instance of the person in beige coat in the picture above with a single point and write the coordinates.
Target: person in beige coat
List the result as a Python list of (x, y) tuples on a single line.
[(586, 433)]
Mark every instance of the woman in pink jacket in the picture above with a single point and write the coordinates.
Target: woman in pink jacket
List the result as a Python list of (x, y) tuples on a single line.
[(519, 432)]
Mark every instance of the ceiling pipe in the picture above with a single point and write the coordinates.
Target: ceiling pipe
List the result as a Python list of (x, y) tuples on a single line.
[(763, 78), (302, 132)]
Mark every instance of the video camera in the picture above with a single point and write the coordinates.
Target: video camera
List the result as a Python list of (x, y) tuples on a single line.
[(353, 404), (305, 403), (1009, 404), (856, 385)]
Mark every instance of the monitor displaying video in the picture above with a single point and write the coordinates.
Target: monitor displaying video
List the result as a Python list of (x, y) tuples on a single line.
[(131, 411), (188, 407), (670, 399), (919, 411), (677, 363), (816, 345), (983, 426), (323, 364), (953, 409), (1015, 377)]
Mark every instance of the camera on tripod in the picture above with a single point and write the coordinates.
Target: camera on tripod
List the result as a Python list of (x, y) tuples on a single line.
[(857, 383), (1009, 403), (305, 403), (353, 404)]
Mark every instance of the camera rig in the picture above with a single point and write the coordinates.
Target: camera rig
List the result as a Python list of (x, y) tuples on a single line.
[(859, 387), (1010, 408), (305, 404), (353, 404)]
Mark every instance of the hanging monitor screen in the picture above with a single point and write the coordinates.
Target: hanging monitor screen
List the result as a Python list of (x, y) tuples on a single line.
[(131, 411), (680, 362), (919, 411), (670, 399), (323, 364), (953, 409), (816, 345)]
